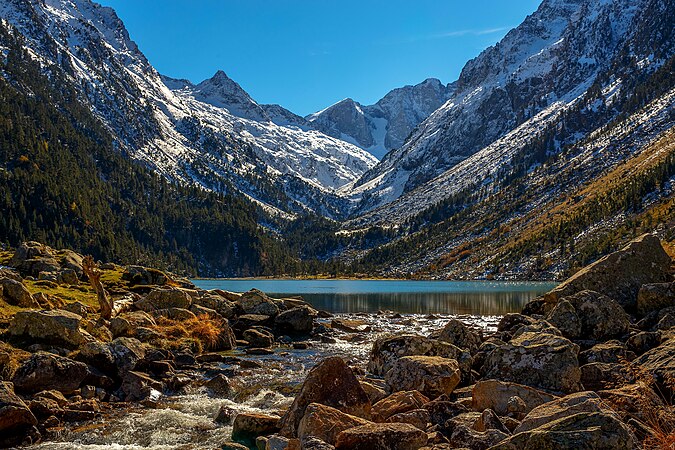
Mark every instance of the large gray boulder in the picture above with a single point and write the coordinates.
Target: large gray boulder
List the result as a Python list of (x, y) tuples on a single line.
[(382, 436), (326, 423), (387, 350), (457, 333), (498, 396), (55, 327), (299, 320), (585, 430), (433, 376), (621, 274), (600, 317), (163, 299), (537, 359), (45, 371), (257, 302)]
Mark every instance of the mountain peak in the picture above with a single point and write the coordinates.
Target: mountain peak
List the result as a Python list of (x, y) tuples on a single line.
[(223, 92)]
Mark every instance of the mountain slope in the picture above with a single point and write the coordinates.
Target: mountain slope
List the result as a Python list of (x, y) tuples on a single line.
[(212, 134), (533, 75), (63, 182), (385, 125)]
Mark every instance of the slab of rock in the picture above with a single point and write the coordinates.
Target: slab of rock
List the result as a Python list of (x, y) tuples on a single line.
[(15, 417), (431, 375), (457, 333), (539, 360), (386, 351), (299, 320), (382, 436), (331, 383), (496, 395), (248, 426), (218, 303), (124, 324), (643, 342), (15, 293), (621, 274), (397, 403), (258, 303), (164, 298), (45, 371), (374, 393), (31, 258), (654, 297), (594, 430), (55, 327), (440, 411), (580, 402), (139, 275), (606, 352), (326, 423), (314, 443), (281, 443)]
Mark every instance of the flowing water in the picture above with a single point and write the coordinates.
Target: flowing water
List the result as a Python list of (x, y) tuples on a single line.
[(186, 421)]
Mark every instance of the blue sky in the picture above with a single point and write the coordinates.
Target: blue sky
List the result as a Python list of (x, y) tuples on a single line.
[(308, 54)]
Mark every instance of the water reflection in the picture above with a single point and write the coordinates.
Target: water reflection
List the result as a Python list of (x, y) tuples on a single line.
[(408, 297)]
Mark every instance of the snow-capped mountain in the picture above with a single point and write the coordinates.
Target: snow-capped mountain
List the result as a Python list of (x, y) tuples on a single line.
[(385, 125), (213, 133), (529, 79)]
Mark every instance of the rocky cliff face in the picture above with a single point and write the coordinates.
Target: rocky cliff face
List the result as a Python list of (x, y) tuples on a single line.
[(212, 134), (385, 125), (546, 63)]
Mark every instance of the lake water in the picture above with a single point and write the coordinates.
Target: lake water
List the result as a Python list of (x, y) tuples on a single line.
[(406, 297)]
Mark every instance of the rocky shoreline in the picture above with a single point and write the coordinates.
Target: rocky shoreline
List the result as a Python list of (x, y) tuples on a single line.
[(590, 365)]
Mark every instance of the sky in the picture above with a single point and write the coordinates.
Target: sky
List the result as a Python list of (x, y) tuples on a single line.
[(308, 54)]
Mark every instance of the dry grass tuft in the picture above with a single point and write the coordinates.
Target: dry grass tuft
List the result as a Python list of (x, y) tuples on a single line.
[(656, 411), (205, 330)]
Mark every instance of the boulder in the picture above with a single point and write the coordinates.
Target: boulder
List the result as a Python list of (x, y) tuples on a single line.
[(299, 320), (15, 417), (440, 411), (540, 360), (137, 386), (564, 317), (326, 423), (44, 371), (601, 318), (136, 275), (16, 294), (419, 418), (281, 443), (259, 338), (463, 436), (489, 420), (314, 443), (374, 393), (586, 430), (606, 352), (164, 298), (643, 342), (387, 350), (55, 327), (431, 375), (458, 334), (512, 321), (654, 297), (599, 375), (630, 401), (31, 258), (221, 305), (660, 363), (495, 395), (257, 302), (580, 402), (175, 314), (126, 323), (115, 358), (331, 383), (621, 274), (219, 385), (382, 436), (397, 403), (248, 426)]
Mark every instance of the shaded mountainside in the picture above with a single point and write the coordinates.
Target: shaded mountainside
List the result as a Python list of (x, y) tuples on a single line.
[(212, 134), (62, 182)]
